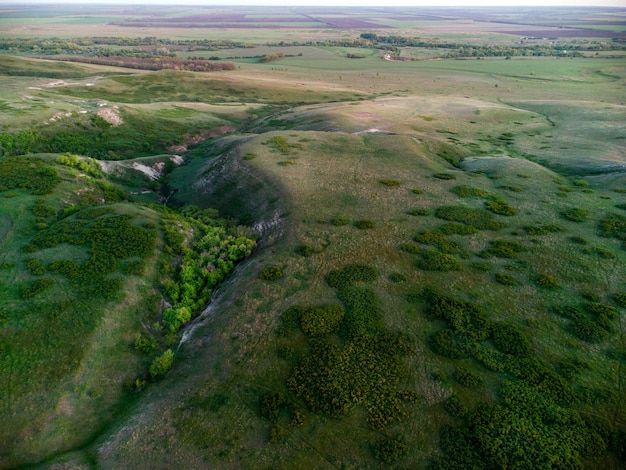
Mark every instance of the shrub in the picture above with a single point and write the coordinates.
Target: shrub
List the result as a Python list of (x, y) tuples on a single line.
[(480, 266), (321, 320), (417, 191), (454, 407), (363, 314), (619, 299), (444, 176), (270, 405), (439, 240), (500, 208), (135, 267), (506, 279), (363, 224), (546, 281), (510, 340), (278, 433), (35, 267), (455, 228), (290, 319), (340, 220), (469, 191), (397, 277), (391, 183), (418, 212), (503, 249), (448, 343), (411, 248), (145, 345), (479, 218), (271, 273), (350, 275), (575, 214), (578, 240), (161, 364), (174, 318), (305, 250), (467, 377), (613, 226), (601, 311), (390, 450), (588, 330), (436, 261), (36, 287)]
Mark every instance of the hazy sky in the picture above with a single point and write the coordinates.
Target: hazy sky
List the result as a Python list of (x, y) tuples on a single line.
[(413, 3)]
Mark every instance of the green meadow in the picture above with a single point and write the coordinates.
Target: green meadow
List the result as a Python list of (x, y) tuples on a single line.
[(338, 251)]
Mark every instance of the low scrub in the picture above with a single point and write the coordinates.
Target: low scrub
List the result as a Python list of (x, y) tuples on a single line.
[(500, 208), (350, 275), (479, 218), (575, 214), (469, 191), (271, 273), (435, 261)]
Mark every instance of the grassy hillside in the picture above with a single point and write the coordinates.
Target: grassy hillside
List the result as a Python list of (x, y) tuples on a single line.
[(322, 256)]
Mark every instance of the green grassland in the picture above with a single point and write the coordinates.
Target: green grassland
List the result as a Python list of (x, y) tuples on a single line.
[(431, 252)]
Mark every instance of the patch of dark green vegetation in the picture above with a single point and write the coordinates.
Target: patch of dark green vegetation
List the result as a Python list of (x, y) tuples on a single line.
[(506, 279), (501, 208), (283, 145), (542, 229), (422, 211), (439, 240), (271, 273), (593, 323), (444, 176), (502, 249), (479, 218), (390, 182), (353, 361), (546, 281), (341, 220), (455, 228), (204, 261), (469, 191), (31, 174), (432, 260), (613, 226), (518, 427), (350, 275), (575, 214), (364, 224)]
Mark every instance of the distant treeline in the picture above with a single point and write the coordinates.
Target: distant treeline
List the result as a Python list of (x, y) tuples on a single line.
[(150, 47), (154, 63)]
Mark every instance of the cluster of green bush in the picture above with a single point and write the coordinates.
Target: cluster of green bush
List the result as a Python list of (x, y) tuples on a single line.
[(109, 237), (87, 165), (502, 249), (439, 240), (478, 218), (536, 422), (500, 207), (432, 260), (282, 144), (32, 174), (593, 323), (210, 249), (613, 226), (469, 191), (352, 360)]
